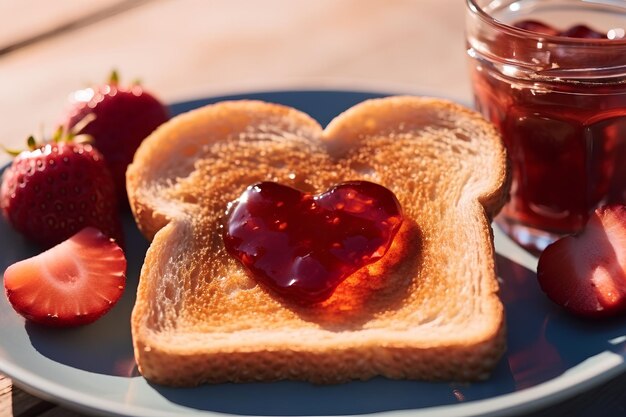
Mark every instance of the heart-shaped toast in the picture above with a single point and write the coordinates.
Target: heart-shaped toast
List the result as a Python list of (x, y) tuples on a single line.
[(428, 309)]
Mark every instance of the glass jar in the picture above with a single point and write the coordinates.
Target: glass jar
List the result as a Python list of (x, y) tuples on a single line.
[(559, 103)]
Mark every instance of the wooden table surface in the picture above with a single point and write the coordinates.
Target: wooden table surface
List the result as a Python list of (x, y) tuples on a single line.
[(184, 49)]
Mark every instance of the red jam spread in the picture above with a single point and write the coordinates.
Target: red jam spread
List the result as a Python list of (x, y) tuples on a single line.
[(303, 246)]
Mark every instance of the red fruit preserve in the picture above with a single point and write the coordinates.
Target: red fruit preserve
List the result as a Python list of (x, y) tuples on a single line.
[(303, 246), (558, 97)]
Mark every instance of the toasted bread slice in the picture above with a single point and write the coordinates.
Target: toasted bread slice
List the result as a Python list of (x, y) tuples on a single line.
[(428, 309)]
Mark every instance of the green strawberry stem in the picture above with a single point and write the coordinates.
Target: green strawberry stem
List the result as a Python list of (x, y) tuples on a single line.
[(59, 135), (114, 78), (31, 142), (56, 137), (12, 152)]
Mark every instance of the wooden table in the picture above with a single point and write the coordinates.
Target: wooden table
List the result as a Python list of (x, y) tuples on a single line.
[(193, 48)]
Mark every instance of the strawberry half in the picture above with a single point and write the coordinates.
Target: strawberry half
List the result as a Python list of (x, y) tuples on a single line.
[(586, 273), (71, 284), (125, 116)]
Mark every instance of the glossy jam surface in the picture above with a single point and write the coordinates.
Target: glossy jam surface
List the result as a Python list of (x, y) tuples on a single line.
[(566, 140), (303, 246), (577, 31)]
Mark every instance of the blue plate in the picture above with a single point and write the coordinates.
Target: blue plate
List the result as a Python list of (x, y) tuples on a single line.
[(550, 355)]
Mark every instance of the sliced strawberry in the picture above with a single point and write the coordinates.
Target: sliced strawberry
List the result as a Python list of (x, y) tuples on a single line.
[(70, 284), (586, 273)]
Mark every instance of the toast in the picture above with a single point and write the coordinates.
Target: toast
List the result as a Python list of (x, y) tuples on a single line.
[(429, 309)]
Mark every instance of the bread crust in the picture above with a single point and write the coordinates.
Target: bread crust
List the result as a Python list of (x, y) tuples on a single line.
[(428, 310)]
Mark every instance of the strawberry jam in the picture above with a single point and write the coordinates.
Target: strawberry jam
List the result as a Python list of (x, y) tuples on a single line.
[(577, 31), (303, 246), (558, 96)]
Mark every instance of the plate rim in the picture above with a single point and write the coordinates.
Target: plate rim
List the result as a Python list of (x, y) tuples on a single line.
[(529, 399)]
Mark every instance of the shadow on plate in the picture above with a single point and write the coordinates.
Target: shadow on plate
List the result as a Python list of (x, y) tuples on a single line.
[(301, 398), (543, 343), (543, 340), (105, 346)]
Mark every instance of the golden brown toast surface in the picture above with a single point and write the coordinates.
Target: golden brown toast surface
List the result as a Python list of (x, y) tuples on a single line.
[(428, 309)]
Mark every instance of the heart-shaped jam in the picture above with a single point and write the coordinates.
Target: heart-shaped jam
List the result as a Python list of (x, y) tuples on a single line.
[(303, 245)]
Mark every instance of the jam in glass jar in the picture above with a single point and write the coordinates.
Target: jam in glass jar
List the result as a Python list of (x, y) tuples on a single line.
[(551, 75)]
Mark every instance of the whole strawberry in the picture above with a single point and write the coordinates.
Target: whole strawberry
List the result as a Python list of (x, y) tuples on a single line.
[(52, 191), (125, 116)]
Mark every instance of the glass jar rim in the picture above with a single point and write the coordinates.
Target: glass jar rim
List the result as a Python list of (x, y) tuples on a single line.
[(512, 30)]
